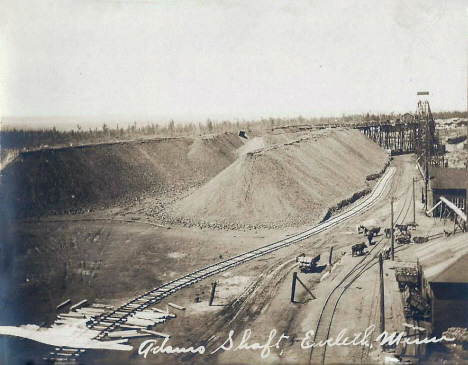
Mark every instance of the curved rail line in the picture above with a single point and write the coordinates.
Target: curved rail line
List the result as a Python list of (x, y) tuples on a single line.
[(325, 320), (318, 354), (110, 321), (322, 330)]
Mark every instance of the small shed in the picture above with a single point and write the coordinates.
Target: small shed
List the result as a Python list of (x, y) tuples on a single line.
[(407, 118), (451, 183), (444, 281)]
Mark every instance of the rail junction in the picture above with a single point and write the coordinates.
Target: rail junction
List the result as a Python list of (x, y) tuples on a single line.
[(110, 321)]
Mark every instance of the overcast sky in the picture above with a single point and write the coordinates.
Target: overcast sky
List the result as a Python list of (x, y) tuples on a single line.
[(192, 60)]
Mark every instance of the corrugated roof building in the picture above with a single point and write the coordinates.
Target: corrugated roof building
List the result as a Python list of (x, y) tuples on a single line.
[(450, 183), (444, 267), (448, 178)]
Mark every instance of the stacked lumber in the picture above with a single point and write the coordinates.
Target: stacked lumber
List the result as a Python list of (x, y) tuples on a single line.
[(459, 334)]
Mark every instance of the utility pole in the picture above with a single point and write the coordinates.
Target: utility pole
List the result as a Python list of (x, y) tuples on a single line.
[(414, 204), (331, 255), (382, 295), (392, 229), (213, 290), (293, 289), (426, 183)]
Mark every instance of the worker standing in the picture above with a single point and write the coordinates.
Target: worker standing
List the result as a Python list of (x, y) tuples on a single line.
[(370, 235)]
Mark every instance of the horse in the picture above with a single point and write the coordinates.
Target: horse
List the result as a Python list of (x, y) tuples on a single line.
[(358, 249), (373, 231), (362, 229)]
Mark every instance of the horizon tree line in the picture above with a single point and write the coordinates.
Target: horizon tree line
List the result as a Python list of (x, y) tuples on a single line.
[(24, 139)]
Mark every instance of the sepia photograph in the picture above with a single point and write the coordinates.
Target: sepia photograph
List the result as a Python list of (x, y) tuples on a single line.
[(235, 182)]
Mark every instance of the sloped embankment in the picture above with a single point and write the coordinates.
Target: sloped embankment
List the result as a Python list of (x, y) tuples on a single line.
[(285, 185), (72, 179)]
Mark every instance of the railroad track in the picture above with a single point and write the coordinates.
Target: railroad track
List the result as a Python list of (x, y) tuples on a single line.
[(322, 331), (324, 324), (110, 321), (325, 320)]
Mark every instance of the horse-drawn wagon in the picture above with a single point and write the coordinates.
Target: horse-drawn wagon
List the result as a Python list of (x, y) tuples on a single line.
[(403, 238), (306, 263)]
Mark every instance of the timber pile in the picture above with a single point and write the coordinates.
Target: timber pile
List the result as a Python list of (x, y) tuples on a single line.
[(406, 271), (460, 334), (406, 276), (99, 317)]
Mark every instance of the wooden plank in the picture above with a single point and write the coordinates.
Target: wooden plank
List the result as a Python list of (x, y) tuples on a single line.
[(91, 310), (122, 333), (166, 314), (79, 304), (394, 314), (61, 305), (72, 315), (454, 208), (66, 349), (100, 328), (435, 206), (156, 333), (69, 320), (105, 323), (134, 326), (176, 306), (97, 305), (140, 322), (136, 335), (123, 309)]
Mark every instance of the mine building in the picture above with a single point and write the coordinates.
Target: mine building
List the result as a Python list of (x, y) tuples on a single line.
[(444, 281), (407, 118), (450, 183)]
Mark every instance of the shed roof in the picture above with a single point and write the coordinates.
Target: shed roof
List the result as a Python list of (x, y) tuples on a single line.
[(448, 178), (445, 260)]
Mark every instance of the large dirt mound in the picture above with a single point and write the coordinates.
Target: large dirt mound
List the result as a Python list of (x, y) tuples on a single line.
[(288, 184), (71, 179)]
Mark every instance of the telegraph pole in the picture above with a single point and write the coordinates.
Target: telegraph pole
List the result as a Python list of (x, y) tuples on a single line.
[(382, 299), (426, 182), (213, 291), (414, 204), (293, 287), (391, 230)]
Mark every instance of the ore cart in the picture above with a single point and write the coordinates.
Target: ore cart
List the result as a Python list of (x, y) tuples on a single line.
[(416, 305), (404, 239), (406, 277), (307, 264), (418, 239)]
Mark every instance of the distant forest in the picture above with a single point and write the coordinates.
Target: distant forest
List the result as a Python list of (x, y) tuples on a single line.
[(27, 139)]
